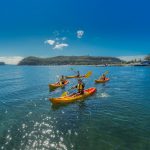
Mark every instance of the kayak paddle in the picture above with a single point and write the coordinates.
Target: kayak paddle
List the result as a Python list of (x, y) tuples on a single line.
[(73, 70), (88, 74), (105, 73)]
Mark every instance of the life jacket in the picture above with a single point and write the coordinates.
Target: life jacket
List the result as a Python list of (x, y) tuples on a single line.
[(80, 86)]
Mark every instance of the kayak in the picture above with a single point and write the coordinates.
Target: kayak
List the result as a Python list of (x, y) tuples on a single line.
[(56, 85), (102, 81), (73, 97), (70, 77)]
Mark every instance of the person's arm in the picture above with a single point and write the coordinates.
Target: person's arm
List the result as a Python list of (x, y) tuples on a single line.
[(83, 85)]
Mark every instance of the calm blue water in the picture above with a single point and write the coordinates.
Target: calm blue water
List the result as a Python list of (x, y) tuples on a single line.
[(117, 117)]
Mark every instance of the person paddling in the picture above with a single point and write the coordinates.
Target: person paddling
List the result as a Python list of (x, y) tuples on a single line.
[(62, 80), (103, 77), (80, 87)]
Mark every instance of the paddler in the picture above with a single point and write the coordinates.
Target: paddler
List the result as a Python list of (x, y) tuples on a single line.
[(80, 87), (62, 80), (103, 77)]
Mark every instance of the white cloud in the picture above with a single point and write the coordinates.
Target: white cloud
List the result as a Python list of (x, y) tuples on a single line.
[(50, 42), (11, 59), (60, 46), (129, 58), (57, 43), (80, 34)]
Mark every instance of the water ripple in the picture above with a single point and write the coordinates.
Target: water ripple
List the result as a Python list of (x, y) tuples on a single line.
[(116, 117)]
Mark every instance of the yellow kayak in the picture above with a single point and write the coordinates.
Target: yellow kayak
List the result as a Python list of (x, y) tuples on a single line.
[(102, 81), (70, 77), (73, 97), (56, 85)]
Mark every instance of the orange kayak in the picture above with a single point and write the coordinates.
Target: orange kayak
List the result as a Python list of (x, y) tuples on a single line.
[(73, 97), (56, 85), (102, 81)]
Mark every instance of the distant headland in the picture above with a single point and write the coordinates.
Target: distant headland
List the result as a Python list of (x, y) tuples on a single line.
[(70, 60)]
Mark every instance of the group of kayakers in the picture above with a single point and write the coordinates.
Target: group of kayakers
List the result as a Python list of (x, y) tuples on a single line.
[(80, 86), (81, 91)]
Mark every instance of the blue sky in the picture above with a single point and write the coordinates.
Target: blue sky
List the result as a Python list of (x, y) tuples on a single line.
[(109, 27)]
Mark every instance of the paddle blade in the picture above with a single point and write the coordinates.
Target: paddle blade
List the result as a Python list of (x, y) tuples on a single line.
[(106, 72), (88, 74), (64, 94)]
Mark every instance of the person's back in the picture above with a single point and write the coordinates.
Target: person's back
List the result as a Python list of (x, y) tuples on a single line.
[(103, 77), (62, 80)]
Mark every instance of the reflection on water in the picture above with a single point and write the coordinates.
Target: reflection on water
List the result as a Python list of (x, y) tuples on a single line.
[(116, 117)]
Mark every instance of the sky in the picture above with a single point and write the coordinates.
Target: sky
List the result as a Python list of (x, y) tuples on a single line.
[(49, 28)]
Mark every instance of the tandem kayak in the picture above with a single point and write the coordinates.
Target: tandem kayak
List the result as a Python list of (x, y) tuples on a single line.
[(102, 81), (56, 85), (73, 97)]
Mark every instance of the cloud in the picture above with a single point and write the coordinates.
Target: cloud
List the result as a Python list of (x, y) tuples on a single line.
[(58, 41), (13, 60), (50, 42), (60, 46), (80, 34)]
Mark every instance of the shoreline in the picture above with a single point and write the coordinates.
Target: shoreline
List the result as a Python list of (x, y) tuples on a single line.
[(109, 65)]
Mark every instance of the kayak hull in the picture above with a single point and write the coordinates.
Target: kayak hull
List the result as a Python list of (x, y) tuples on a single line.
[(73, 97), (57, 85), (102, 81)]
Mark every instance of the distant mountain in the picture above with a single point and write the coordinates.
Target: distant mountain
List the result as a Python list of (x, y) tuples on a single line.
[(2, 63), (69, 60)]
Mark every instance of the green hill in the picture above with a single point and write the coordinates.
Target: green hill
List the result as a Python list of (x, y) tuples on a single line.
[(70, 60)]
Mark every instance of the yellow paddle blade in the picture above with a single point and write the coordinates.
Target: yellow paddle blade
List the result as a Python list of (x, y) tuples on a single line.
[(64, 94), (88, 74), (106, 72)]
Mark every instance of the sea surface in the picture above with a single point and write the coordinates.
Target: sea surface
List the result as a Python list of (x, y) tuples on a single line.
[(116, 117)]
